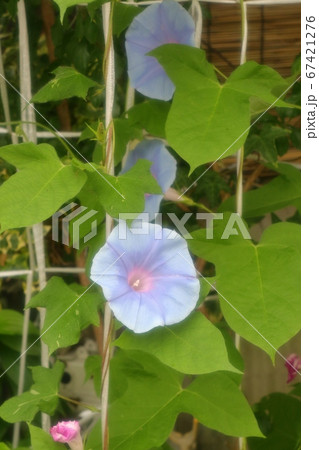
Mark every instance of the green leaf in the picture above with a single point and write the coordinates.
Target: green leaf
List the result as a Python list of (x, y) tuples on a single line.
[(10, 365), (194, 346), (14, 343), (122, 16), (132, 186), (258, 285), (43, 396), (40, 440), (165, 446), (92, 366), (151, 116), (205, 288), (296, 389), (67, 83), (11, 323), (279, 417), (284, 190), (206, 115), (266, 142), (68, 311), (39, 188), (65, 4), (217, 402), (124, 132), (3, 446), (92, 7), (94, 440), (134, 423)]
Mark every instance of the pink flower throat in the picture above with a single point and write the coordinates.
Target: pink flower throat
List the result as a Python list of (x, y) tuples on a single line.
[(140, 280)]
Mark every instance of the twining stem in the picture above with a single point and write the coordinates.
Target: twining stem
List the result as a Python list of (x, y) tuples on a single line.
[(106, 358), (109, 76), (241, 155), (239, 186), (108, 70)]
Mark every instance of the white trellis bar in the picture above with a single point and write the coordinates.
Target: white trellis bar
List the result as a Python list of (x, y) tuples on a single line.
[(20, 273), (28, 115), (230, 2), (47, 134)]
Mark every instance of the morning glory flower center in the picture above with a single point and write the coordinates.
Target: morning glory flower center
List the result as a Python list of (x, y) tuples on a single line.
[(140, 280)]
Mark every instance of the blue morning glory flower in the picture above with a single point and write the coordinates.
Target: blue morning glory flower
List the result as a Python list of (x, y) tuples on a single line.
[(159, 24), (163, 170), (149, 279)]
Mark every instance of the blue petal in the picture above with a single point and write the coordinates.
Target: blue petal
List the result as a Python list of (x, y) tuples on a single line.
[(177, 296), (158, 24), (136, 246), (173, 257), (138, 312), (174, 288)]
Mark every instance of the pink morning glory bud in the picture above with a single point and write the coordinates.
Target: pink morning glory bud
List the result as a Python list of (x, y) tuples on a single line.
[(68, 432), (293, 366), (161, 23)]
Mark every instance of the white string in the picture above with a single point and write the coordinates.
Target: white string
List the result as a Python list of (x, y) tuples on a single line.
[(28, 115), (240, 156), (196, 12), (24, 343)]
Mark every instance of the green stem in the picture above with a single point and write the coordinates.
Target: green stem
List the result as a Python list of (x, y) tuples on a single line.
[(239, 186), (75, 402), (219, 72)]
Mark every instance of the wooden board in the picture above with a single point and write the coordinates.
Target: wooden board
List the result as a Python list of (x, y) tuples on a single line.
[(273, 38)]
